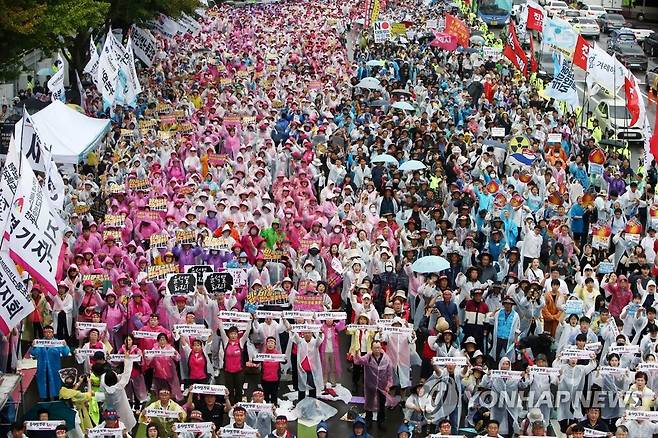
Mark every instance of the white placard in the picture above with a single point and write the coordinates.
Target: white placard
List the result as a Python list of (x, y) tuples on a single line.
[(297, 314), (303, 328), (336, 316), (232, 432), (574, 306), (269, 357), (593, 346), (43, 425), (642, 415), (647, 366), (193, 427), (554, 137), (591, 433), (373, 328), (498, 132), (544, 371), (100, 326), (274, 314), (142, 334), (159, 353), (88, 352), (396, 330), (197, 330), (161, 413), (611, 371), (199, 388), (256, 407), (104, 432), (48, 343), (121, 357), (624, 349), (576, 354), (235, 316), (506, 374), (443, 361)]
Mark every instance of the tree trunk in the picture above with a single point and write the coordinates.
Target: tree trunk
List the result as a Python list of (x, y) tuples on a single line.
[(78, 51)]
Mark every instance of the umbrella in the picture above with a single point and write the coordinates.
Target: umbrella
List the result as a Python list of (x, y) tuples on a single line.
[(402, 92), (369, 84), (385, 158), (494, 143), (375, 63), (378, 102), (405, 106), (57, 410), (430, 264), (476, 39), (45, 71), (412, 165)]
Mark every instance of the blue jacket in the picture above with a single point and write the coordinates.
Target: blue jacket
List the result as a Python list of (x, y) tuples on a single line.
[(361, 421), (49, 362)]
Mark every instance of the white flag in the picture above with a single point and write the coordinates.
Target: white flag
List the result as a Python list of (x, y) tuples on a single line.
[(165, 25), (56, 82), (144, 45), (35, 230), (39, 156), (604, 70), (8, 185), (92, 66), (81, 90), (127, 83), (15, 301), (108, 71), (563, 86)]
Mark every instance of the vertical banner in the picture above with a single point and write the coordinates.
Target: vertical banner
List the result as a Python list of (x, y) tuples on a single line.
[(56, 82), (15, 301), (92, 66), (144, 45)]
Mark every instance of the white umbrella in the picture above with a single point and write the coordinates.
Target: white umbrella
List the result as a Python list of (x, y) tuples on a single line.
[(375, 63), (404, 106), (430, 264), (385, 158), (369, 84), (412, 165)]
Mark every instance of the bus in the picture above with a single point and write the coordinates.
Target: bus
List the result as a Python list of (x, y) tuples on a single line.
[(495, 13), (641, 10)]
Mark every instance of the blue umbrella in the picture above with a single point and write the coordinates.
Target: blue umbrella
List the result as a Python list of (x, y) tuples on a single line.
[(45, 71), (385, 158), (430, 264), (412, 165)]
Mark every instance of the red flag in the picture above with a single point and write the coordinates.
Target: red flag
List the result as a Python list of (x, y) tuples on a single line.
[(632, 99), (514, 52), (535, 17), (456, 27), (533, 61), (653, 143), (581, 52), (444, 40)]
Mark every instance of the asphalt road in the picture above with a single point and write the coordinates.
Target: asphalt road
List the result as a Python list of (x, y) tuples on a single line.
[(579, 74)]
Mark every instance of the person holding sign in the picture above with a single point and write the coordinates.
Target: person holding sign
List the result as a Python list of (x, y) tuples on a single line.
[(234, 359), (309, 365), (163, 362), (571, 382), (378, 380), (49, 362), (164, 412)]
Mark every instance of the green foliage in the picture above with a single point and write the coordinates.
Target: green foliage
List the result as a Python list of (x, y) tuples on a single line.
[(66, 25)]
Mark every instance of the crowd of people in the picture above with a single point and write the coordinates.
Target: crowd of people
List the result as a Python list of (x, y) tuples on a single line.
[(274, 146)]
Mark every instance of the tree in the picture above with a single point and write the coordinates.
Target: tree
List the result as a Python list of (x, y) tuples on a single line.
[(67, 26)]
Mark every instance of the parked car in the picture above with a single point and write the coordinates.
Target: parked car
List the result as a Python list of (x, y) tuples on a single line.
[(570, 14), (640, 34), (609, 22), (587, 27), (651, 80), (594, 11), (650, 44), (613, 114), (554, 7), (631, 55), (621, 36)]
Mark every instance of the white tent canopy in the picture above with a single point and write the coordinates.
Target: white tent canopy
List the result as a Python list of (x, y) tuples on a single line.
[(72, 135)]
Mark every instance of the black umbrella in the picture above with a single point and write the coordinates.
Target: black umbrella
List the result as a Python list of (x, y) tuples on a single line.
[(57, 410), (474, 89)]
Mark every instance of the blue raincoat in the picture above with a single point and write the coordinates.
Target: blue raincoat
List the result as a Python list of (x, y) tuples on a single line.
[(49, 362)]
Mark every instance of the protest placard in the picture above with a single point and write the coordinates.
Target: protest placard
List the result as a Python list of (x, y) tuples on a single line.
[(267, 296)]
